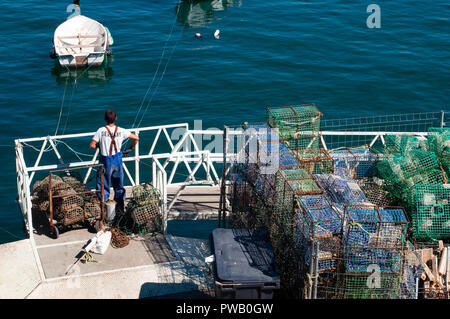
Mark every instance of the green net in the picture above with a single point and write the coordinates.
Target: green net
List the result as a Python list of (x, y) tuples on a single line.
[(301, 122), (431, 213)]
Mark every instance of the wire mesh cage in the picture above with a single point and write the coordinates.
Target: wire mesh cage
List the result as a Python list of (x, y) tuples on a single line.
[(142, 214), (438, 141), (374, 236), (412, 274), (249, 210), (152, 226), (317, 217), (400, 144), (316, 161), (145, 194), (301, 122), (398, 169), (40, 188), (431, 213), (73, 216), (66, 198), (369, 285), (354, 163), (341, 191), (375, 191), (290, 182), (93, 208)]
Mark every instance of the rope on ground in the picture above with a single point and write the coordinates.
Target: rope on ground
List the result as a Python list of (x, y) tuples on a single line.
[(119, 239)]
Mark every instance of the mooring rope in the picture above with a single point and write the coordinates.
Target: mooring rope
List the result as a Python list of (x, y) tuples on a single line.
[(157, 69)]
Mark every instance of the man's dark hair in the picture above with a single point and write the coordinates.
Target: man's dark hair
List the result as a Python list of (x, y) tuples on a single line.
[(110, 116), (77, 2)]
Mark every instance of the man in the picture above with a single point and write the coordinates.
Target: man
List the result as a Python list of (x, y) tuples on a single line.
[(110, 139)]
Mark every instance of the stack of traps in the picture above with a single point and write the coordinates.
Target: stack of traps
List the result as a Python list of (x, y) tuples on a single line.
[(144, 208)]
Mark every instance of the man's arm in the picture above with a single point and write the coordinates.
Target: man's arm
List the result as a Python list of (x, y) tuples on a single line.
[(95, 139), (135, 139)]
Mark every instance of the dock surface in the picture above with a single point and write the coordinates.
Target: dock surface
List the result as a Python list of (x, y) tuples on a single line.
[(151, 266)]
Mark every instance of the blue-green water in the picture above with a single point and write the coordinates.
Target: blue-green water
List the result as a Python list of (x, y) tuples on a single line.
[(269, 53)]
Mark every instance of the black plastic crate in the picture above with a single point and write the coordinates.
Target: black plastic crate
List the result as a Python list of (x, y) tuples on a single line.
[(244, 264)]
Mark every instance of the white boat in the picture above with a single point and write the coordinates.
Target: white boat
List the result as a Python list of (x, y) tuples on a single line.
[(81, 42)]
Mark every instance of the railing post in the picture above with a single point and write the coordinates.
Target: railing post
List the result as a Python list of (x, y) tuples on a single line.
[(442, 118), (136, 161), (154, 172)]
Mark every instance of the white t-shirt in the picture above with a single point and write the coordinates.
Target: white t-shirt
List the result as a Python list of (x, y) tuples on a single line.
[(104, 139)]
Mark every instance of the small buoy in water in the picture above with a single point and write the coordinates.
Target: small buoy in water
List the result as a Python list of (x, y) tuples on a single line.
[(198, 35), (216, 34)]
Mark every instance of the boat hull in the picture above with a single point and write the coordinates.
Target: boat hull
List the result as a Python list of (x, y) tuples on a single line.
[(75, 62), (80, 42)]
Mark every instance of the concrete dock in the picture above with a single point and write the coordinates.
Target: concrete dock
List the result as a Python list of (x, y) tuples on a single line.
[(148, 267)]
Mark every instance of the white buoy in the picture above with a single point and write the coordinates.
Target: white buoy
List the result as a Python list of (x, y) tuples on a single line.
[(198, 35), (216, 34)]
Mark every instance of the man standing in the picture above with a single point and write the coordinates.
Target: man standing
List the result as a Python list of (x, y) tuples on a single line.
[(110, 139)]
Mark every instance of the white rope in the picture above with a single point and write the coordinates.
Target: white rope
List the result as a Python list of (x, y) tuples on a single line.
[(61, 107)]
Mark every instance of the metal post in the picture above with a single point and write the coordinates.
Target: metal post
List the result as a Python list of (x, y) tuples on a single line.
[(50, 199), (316, 270), (311, 270), (222, 205), (417, 288), (136, 161), (102, 188), (442, 118), (446, 274)]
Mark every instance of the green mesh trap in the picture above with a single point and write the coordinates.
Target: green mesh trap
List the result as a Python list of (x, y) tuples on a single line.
[(369, 286), (145, 194), (290, 182), (316, 161), (400, 144), (431, 213), (301, 122), (399, 169), (438, 141)]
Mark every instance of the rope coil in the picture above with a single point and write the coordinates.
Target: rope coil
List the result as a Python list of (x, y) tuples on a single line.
[(119, 239)]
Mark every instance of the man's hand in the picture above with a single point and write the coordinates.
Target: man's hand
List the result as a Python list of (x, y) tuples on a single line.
[(127, 151), (93, 144)]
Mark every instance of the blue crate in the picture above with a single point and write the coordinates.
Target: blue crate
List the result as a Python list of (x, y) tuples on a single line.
[(317, 216), (374, 236)]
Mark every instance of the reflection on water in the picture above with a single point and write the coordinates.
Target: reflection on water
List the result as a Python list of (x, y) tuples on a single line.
[(102, 73), (196, 13)]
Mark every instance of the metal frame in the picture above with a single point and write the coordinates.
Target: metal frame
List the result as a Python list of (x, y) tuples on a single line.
[(100, 219)]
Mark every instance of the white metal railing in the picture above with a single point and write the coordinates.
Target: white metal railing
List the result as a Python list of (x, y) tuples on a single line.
[(184, 152)]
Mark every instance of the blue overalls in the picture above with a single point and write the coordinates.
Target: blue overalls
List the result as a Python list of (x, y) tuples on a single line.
[(112, 173)]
